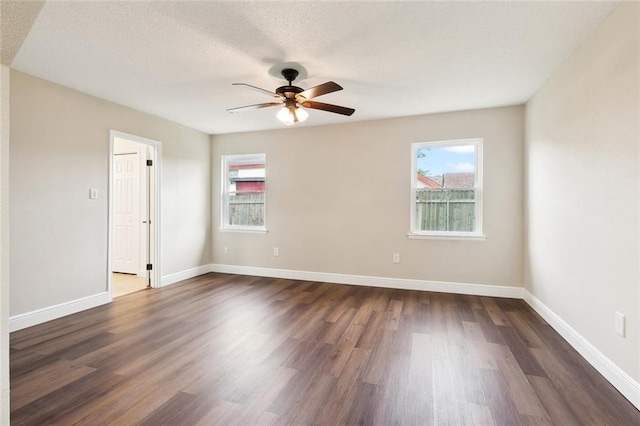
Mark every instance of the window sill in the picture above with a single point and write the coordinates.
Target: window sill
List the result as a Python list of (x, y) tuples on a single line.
[(245, 230), (448, 236)]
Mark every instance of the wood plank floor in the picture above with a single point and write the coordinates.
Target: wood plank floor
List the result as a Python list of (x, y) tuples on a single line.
[(126, 283), (229, 349)]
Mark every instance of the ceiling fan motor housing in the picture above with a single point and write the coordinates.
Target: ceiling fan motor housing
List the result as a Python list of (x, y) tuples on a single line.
[(288, 91)]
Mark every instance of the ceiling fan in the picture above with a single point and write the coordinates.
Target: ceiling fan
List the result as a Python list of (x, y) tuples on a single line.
[(293, 98)]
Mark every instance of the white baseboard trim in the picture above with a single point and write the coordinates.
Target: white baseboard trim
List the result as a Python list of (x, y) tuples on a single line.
[(625, 384), (39, 316), (184, 275), (28, 319), (399, 283)]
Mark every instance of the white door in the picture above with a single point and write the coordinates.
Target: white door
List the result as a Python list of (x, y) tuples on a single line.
[(126, 207)]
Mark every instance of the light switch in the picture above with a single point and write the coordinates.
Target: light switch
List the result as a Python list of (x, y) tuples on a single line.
[(619, 323), (93, 193)]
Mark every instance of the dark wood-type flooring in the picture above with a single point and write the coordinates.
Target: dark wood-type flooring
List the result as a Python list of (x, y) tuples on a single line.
[(229, 349)]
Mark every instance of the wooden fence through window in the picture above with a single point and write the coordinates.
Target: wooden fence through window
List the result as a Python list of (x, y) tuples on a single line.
[(445, 210), (246, 209)]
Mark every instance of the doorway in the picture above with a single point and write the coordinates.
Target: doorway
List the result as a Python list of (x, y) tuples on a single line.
[(134, 188)]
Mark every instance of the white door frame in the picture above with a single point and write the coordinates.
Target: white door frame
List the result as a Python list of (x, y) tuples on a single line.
[(156, 281)]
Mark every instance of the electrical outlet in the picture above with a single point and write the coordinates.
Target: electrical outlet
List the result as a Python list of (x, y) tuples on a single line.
[(396, 257), (619, 323), (276, 252), (226, 250)]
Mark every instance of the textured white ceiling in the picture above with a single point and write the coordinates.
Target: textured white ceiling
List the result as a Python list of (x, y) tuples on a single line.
[(16, 18), (178, 59)]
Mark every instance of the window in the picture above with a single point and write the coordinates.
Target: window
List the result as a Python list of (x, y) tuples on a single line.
[(243, 192), (446, 189)]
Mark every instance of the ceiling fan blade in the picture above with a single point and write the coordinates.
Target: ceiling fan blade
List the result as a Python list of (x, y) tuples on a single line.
[(252, 107), (328, 107), (258, 89), (323, 89)]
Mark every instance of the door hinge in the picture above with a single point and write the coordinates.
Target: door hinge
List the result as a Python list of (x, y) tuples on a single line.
[(149, 162), (149, 267)]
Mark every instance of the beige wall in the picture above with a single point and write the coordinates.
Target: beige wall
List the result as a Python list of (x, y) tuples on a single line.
[(4, 244), (338, 199), (60, 149), (582, 178)]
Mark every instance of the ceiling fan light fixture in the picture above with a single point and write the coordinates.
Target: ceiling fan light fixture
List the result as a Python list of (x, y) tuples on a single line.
[(301, 114), (291, 115), (285, 116)]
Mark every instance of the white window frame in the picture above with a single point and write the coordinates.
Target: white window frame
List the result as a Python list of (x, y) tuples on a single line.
[(478, 186), (224, 196)]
